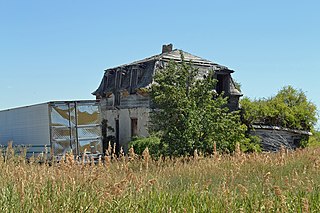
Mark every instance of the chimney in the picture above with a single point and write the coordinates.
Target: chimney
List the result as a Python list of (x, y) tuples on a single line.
[(167, 48)]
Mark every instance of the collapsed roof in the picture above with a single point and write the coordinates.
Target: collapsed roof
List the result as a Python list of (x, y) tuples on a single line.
[(139, 74)]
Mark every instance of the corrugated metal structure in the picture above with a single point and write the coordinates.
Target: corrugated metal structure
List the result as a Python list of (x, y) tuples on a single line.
[(58, 126)]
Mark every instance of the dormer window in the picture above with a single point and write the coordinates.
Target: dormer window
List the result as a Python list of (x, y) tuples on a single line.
[(222, 84)]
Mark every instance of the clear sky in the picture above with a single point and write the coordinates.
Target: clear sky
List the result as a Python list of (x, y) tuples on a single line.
[(57, 50)]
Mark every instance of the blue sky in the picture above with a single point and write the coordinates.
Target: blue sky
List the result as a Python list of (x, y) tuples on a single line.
[(57, 50)]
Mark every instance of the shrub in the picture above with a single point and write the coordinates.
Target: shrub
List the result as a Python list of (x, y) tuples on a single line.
[(153, 143), (290, 108)]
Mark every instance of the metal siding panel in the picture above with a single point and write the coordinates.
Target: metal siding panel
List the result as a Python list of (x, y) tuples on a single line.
[(26, 125)]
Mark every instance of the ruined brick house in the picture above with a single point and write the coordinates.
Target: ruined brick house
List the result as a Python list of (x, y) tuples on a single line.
[(125, 105)]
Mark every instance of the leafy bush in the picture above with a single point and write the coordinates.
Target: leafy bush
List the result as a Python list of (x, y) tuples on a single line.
[(139, 144), (289, 108), (314, 140), (251, 144)]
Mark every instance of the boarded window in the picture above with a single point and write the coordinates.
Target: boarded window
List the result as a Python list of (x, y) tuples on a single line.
[(134, 127)]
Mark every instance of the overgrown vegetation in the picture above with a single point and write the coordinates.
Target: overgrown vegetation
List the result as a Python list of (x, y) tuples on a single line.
[(290, 108), (153, 144), (279, 182), (314, 140), (187, 117)]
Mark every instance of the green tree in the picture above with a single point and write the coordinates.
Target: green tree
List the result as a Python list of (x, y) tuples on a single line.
[(290, 108), (189, 114)]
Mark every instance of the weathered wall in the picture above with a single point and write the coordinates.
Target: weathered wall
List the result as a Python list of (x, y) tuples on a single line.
[(233, 103), (126, 101), (124, 116)]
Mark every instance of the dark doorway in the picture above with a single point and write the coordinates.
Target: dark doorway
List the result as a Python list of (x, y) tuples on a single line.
[(134, 127)]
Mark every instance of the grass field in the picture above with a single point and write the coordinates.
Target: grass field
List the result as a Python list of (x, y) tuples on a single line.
[(281, 182)]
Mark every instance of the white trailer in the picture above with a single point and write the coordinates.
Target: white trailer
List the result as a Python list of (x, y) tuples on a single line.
[(57, 126)]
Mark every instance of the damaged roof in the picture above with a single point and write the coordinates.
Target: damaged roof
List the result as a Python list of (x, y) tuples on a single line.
[(176, 56), (139, 74), (279, 128)]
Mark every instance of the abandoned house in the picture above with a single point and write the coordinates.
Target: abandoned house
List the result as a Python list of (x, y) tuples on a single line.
[(125, 104)]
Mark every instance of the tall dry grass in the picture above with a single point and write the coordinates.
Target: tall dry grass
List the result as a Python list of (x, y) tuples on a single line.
[(275, 182)]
